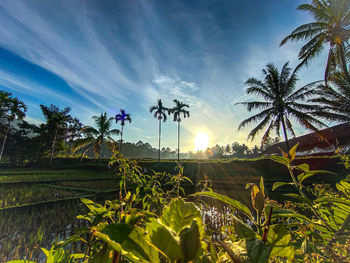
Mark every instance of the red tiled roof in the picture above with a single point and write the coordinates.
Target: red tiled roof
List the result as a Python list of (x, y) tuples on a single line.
[(338, 135)]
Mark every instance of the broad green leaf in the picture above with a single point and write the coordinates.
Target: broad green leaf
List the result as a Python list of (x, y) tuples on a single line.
[(305, 175), (322, 200), (104, 255), (129, 240), (180, 214), (164, 240), (257, 251), (190, 242), (285, 213), (303, 167), (293, 151), (282, 160), (242, 230), (262, 187), (233, 203), (344, 187), (300, 198), (279, 184), (280, 240)]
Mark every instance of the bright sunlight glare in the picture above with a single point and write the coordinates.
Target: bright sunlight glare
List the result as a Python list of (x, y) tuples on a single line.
[(201, 141)]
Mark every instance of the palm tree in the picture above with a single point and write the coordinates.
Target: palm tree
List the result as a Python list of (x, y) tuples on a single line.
[(95, 137), (13, 109), (281, 102), (159, 113), (177, 110), (56, 120), (335, 100), (122, 117), (331, 26)]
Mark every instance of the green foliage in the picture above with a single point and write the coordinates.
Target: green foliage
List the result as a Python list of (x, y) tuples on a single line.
[(313, 225)]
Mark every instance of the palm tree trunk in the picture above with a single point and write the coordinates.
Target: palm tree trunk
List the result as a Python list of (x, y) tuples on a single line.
[(285, 134), (343, 62), (178, 141), (53, 146), (121, 139), (5, 138), (159, 134)]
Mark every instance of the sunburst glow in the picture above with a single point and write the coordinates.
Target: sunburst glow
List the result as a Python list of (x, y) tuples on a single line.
[(201, 141)]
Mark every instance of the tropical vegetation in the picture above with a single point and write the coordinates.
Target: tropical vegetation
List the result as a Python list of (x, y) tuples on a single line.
[(281, 103), (122, 117), (331, 26), (177, 110), (160, 113), (95, 137)]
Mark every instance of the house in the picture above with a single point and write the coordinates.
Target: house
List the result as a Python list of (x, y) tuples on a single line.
[(324, 142)]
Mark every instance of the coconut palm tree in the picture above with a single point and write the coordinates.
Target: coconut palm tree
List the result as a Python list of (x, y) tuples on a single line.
[(160, 112), (13, 109), (335, 100), (95, 137), (179, 109), (56, 120), (331, 26), (122, 117), (281, 103)]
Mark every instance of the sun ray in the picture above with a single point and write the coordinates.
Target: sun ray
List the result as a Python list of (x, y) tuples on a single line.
[(201, 141)]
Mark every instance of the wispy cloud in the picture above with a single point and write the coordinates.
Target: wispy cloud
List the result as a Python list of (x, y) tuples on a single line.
[(127, 54)]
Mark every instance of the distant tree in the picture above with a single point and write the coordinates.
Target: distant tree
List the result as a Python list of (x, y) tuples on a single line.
[(22, 144), (56, 120), (95, 137), (122, 117), (281, 102), (179, 108), (239, 150), (11, 109), (160, 112), (74, 131), (228, 149), (331, 26)]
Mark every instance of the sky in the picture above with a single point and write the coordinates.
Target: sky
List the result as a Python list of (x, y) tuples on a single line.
[(106, 55)]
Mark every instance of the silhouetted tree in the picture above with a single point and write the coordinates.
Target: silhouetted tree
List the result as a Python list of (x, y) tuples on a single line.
[(179, 108), (159, 113), (95, 137), (122, 117), (56, 120), (281, 102), (331, 26), (11, 109)]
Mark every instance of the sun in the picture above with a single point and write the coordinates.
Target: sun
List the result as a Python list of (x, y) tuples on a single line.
[(201, 141)]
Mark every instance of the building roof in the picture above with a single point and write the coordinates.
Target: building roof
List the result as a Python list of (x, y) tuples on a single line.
[(338, 135)]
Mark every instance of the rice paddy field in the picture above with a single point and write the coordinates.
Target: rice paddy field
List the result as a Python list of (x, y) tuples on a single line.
[(39, 206)]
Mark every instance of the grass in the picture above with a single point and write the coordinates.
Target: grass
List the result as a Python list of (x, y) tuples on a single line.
[(24, 194), (28, 175)]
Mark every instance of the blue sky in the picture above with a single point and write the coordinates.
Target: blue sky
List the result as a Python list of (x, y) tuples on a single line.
[(100, 56)]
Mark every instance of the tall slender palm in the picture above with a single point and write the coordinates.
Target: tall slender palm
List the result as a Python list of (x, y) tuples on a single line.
[(159, 113), (14, 109), (335, 101), (95, 137), (57, 120), (331, 26), (122, 117), (281, 103), (179, 109)]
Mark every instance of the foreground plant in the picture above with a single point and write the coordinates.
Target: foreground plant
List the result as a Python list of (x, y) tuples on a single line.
[(136, 228)]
